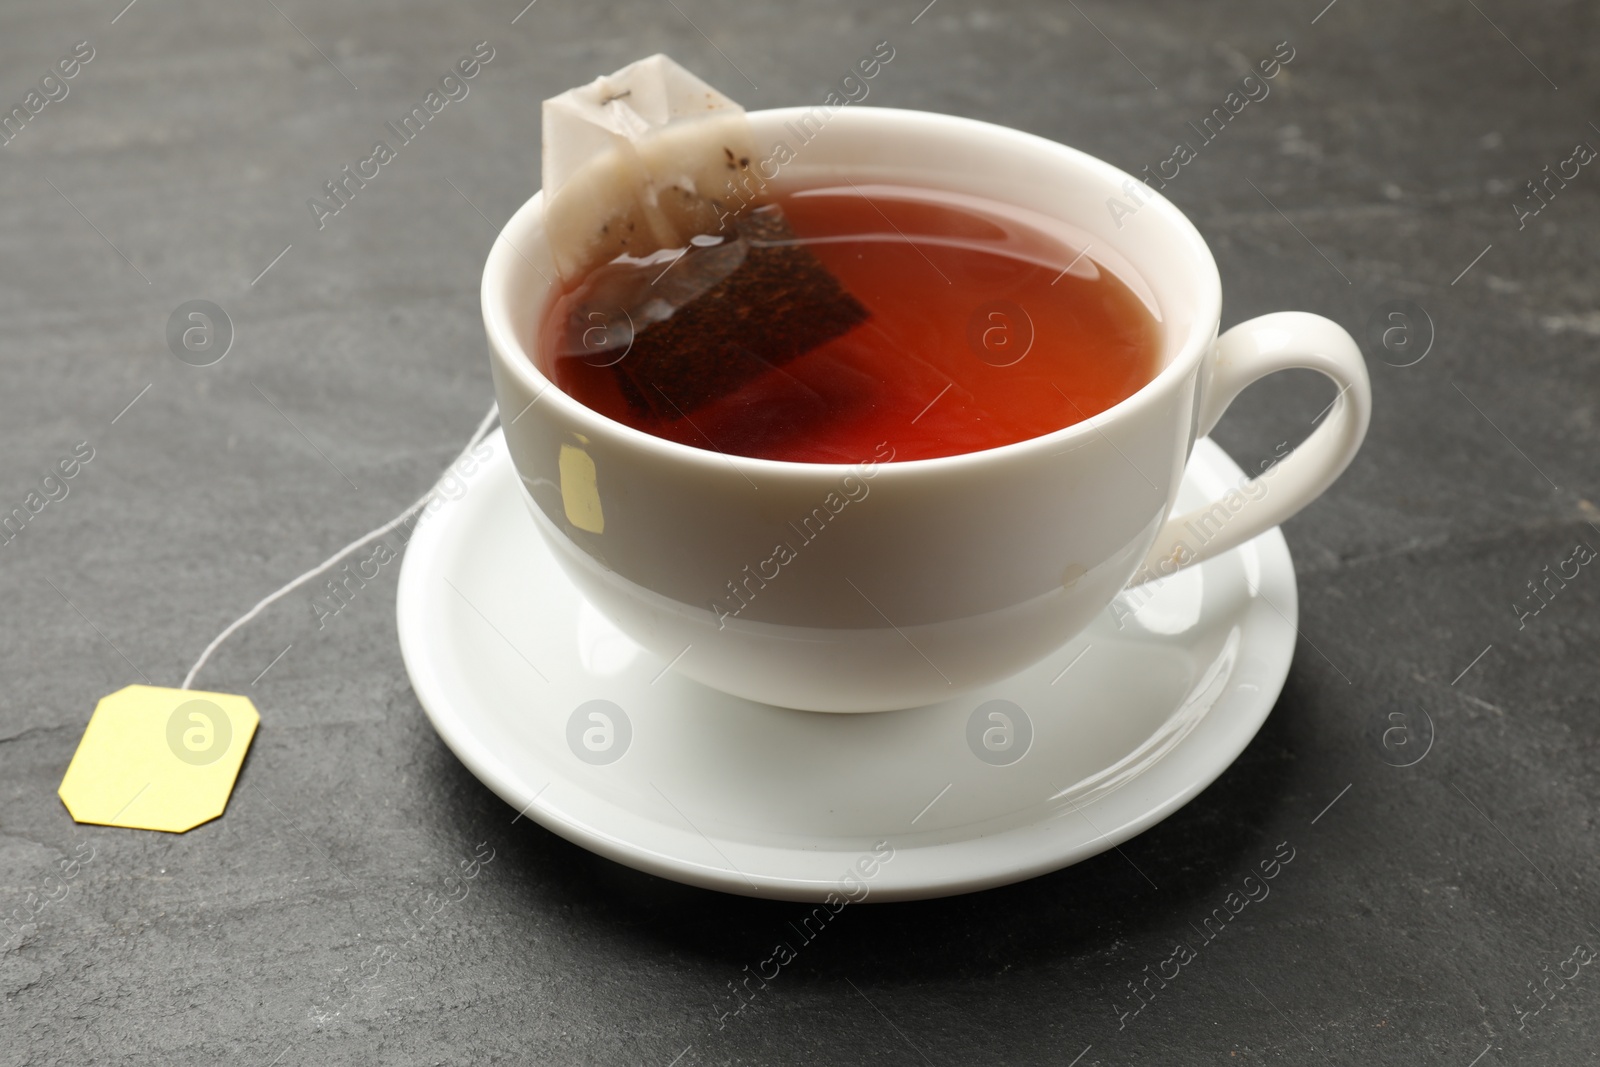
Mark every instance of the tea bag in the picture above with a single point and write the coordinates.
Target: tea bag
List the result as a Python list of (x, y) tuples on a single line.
[(653, 203)]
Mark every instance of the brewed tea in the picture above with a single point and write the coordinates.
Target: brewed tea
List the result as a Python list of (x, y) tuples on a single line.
[(837, 318)]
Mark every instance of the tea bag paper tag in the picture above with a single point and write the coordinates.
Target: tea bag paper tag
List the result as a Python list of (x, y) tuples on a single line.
[(638, 161), (154, 758)]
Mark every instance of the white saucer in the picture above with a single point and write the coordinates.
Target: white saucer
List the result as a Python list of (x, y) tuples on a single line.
[(746, 798)]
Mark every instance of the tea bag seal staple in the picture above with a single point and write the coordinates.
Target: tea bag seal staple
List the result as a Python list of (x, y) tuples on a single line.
[(638, 161)]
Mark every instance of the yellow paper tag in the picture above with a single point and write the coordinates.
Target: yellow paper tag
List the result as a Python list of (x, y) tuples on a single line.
[(154, 758)]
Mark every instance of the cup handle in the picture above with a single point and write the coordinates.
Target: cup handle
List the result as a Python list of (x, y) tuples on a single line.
[(1287, 340)]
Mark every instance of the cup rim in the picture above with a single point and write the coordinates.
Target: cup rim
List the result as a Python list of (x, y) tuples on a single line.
[(1205, 293)]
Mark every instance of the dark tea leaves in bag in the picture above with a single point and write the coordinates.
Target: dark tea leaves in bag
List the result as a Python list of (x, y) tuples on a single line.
[(680, 333)]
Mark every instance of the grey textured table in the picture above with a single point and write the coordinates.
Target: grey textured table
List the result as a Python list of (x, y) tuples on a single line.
[(1387, 165)]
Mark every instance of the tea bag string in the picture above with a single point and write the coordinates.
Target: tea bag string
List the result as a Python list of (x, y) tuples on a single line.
[(478, 435)]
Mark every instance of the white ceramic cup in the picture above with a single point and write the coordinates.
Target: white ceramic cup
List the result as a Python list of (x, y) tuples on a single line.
[(896, 584)]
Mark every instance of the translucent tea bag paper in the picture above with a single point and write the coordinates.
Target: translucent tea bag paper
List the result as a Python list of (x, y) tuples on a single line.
[(634, 162), (647, 218)]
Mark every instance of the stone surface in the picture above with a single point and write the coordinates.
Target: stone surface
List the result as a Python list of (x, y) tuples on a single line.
[(1385, 163)]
